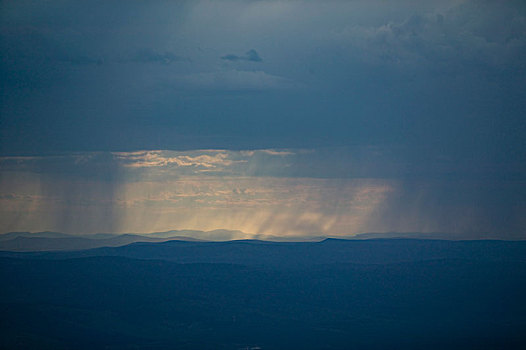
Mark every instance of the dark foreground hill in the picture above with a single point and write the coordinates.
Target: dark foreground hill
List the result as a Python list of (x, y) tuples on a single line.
[(401, 294), (300, 254)]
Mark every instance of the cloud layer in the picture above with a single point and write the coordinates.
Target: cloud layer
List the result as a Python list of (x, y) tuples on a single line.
[(155, 75)]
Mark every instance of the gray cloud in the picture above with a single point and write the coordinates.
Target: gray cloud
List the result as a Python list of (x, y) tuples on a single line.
[(152, 56), (235, 80), (474, 33), (250, 55)]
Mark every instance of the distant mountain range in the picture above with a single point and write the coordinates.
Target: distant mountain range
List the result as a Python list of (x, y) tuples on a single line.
[(57, 241), (53, 241)]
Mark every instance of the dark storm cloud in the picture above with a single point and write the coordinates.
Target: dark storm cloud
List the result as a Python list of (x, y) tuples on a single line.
[(449, 73), (470, 35), (250, 55), (491, 209)]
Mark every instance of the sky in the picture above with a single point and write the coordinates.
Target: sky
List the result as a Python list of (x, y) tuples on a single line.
[(270, 117)]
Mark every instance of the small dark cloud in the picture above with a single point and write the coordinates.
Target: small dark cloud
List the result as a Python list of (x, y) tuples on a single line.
[(250, 55), (79, 59), (152, 56)]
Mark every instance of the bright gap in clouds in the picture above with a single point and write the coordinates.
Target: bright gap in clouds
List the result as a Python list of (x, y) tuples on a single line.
[(286, 193)]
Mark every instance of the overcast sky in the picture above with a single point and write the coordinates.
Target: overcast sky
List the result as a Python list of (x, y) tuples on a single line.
[(419, 104)]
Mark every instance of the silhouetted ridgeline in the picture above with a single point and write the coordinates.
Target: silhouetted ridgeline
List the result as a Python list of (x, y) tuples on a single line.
[(294, 254), (334, 294)]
